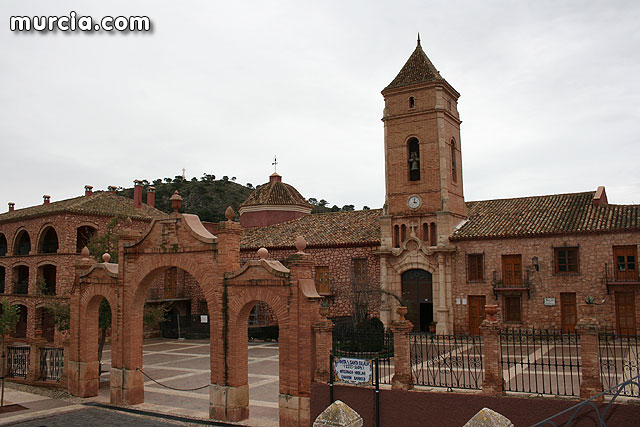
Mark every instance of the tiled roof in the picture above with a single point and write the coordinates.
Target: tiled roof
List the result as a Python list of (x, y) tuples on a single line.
[(545, 215), (325, 229), (99, 203), (275, 193), (418, 69)]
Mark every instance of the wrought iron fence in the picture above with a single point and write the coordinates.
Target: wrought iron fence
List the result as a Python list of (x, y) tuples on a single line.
[(452, 361), (602, 412), (18, 361), (366, 345), (51, 363), (619, 362), (540, 361)]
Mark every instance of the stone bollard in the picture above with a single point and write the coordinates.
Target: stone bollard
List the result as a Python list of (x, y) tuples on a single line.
[(488, 418), (338, 414)]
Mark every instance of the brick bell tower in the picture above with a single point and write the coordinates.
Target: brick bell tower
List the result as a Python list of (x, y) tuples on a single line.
[(424, 198)]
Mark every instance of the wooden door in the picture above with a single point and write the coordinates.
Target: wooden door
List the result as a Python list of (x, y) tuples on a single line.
[(476, 313), (625, 261), (626, 313), (568, 312), (512, 310), (512, 270), (417, 294)]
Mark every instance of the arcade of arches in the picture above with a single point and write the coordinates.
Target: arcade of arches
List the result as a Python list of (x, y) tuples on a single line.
[(231, 291)]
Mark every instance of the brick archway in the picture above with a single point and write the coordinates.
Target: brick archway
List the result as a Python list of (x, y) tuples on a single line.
[(231, 290)]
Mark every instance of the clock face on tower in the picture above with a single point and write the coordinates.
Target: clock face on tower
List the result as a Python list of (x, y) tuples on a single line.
[(414, 202)]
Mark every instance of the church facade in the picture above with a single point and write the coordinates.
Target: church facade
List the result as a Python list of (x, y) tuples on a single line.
[(537, 258)]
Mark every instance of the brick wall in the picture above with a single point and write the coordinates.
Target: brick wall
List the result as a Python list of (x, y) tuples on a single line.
[(339, 261), (594, 251), (65, 225)]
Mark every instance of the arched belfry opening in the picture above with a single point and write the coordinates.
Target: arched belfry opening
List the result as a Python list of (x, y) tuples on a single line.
[(417, 292), (414, 159)]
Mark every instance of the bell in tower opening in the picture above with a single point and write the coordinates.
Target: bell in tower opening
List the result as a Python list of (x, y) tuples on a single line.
[(414, 160)]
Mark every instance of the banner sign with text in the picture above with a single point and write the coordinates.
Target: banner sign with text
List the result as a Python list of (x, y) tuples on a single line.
[(353, 371)]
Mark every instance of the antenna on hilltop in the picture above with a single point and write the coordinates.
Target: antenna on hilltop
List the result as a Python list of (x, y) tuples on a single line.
[(275, 164)]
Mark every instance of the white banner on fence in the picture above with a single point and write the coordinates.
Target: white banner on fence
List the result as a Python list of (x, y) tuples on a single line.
[(353, 371)]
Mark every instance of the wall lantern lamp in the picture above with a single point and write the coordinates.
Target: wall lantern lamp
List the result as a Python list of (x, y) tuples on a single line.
[(534, 261)]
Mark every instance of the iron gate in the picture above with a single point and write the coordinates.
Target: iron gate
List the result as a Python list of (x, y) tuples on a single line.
[(18, 361), (51, 363)]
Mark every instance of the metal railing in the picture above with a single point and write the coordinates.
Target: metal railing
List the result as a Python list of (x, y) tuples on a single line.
[(611, 275), (540, 361), (600, 412), (619, 361), (51, 363), (451, 361), (365, 345), (18, 361), (522, 282)]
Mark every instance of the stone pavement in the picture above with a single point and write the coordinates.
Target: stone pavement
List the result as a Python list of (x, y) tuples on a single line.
[(89, 417), (184, 364), (178, 364), (37, 405)]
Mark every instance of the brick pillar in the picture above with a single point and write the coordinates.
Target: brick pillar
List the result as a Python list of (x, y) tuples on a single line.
[(34, 359), (65, 364), (401, 364), (588, 327), (295, 397), (228, 401), (324, 336), (492, 384), (229, 242), (82, 374)]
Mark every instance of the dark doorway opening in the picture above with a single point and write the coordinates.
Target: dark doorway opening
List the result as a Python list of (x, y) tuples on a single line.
[(417, 292)]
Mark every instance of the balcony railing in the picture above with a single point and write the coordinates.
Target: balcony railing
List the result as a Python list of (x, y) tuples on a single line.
[(521, 283), (325, 289), (613, 276)]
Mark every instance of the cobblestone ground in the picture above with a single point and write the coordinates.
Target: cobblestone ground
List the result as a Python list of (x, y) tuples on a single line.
[(185, 365), (98, 417)]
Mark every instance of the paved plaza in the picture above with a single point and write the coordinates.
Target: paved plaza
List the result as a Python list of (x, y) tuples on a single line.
[(184, 364)]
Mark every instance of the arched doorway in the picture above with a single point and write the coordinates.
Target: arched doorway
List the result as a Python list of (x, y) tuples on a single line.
[(417, 294), (263, 361), (174, 339)]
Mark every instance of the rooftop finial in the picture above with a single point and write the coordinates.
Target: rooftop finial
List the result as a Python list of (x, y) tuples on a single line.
[(275, 164), (418, 40)]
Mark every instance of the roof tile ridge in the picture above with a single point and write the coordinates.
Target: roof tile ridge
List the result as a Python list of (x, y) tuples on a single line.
[(532, 197)]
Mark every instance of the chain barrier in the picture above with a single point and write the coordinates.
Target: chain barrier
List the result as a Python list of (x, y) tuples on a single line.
[(169, 387)]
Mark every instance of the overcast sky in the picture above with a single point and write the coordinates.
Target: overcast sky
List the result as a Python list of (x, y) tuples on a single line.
[(550, 95)]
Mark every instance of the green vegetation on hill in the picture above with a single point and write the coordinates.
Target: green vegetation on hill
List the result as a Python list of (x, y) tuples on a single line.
[(208, 198)]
